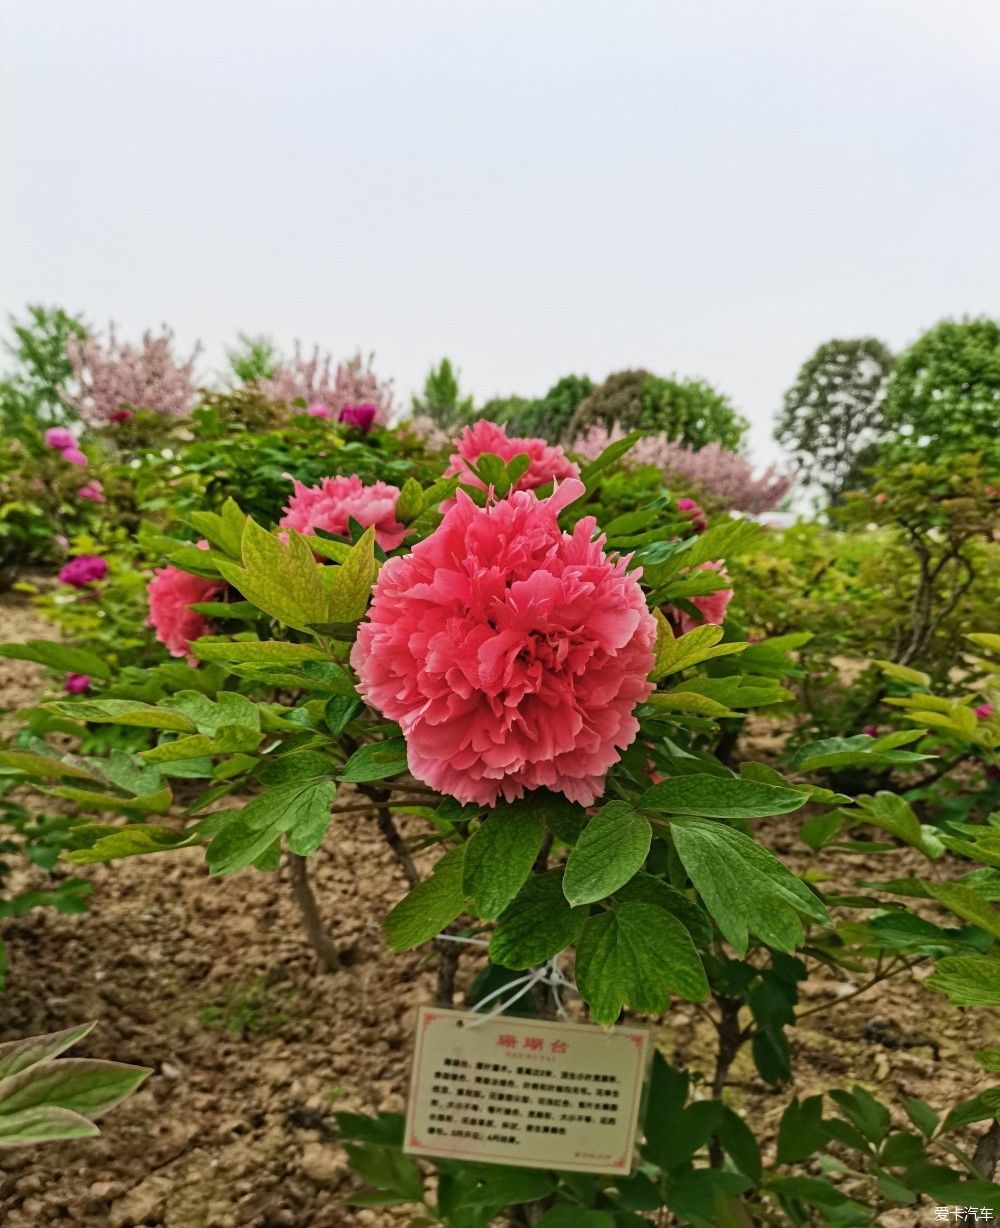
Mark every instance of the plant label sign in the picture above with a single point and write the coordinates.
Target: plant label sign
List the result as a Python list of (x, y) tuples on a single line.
[(527, 1092)]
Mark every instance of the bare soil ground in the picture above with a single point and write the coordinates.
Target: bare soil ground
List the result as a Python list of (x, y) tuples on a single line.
[(210, 982)]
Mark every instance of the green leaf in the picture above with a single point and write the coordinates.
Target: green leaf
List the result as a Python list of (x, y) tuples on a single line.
[(258, 824), (689, 701), (903, 673), (612, 848), (636, 955), (536, 925), (228, 740), (106, 843), (82, 1085), (646, 889), (744, 886), (281, 579), (18, 1055), (857, 751), (612, 453), (352, 581), (740, 1144), (124, 712), (967, 980), (376, 761), (58, 656), (42, 767), (967, 903), (430, 907), (500, 854), (698, 645), (148, 803), (720, 797), (255, 652), (921, 1114), (225, 530), (801, 1131), (46, 1124)]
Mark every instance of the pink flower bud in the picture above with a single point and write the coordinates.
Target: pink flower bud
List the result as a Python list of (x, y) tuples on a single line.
[(693, 513), (319, 411), (871, 730), (984, 711), (121, 415), (93, 491), (84, 570), (76, 684), (75, 457)]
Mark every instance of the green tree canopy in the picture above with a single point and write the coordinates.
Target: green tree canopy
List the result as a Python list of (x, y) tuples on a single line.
[(30, 393), (944, 394), (689, 411), (831, 421), (442, 399)]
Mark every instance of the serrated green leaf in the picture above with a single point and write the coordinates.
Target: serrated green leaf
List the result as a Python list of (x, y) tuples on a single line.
[(967, 903), (430, 906), (538, 924), (744, 886), (282, 579), (352, 581), (636, 955), (611, 849), (500, 854), (701, 644), (268, 816), (720, 797)]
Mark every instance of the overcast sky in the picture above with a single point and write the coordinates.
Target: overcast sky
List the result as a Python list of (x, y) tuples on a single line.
[(533, 188)]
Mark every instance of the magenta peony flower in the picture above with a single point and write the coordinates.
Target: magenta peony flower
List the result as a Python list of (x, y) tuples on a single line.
[(59, 438), (711, 606), (84, 570), (871, 730), (511, 653), (92, 490), (120, 415), (76, 684), (693, 513), (337, 501), (170, 593), (75, 457), (361, 417), (319, 411), (547, 463), (984, 711)]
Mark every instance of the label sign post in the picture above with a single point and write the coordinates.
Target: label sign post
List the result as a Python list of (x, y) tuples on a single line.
[(526, 1092)]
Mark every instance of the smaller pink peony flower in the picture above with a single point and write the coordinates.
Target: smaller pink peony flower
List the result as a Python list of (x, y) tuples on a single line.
[(75, 457), (171, 592), (693, 513), (871, 730), (880, 498), (361, 417), (319, 411), (545, 462), (76, 684), (59, 438), (337, 501), (84, 570), (93, 491), (121, 415), (984, 711), (711, 606)]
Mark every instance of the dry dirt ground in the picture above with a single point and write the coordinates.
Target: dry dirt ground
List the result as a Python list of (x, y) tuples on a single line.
[(211, 983)]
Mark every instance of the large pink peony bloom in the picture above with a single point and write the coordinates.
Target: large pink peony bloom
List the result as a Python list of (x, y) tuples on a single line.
[(337, 501), (711, 606), (547, 463), (512, 654), (171, 591)]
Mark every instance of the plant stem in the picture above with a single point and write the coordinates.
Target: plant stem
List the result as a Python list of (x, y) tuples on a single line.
[(316, 931), (388, 828), (987, 1154)]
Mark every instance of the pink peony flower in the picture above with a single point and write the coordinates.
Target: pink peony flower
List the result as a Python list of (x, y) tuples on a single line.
[(711, 606), (75, 457), (84, 570), (337, 501), (984, 711), (170, 593), (92, 490), (361, 417), (546, 463), (871, 730), (76, 684), (59, 438), (693, 513), (319, 411), (512, 654)]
